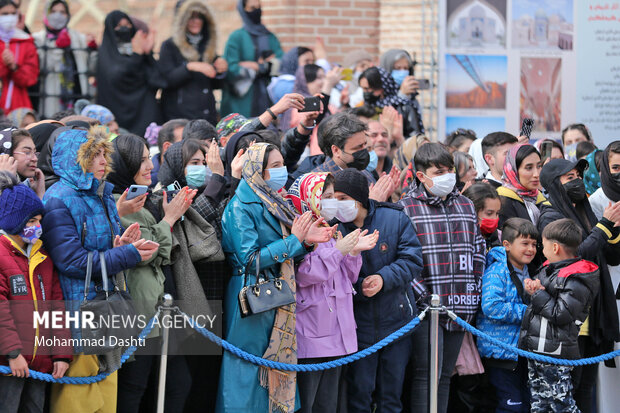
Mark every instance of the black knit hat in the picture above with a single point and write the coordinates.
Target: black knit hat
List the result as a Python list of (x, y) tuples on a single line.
[(352, 182)]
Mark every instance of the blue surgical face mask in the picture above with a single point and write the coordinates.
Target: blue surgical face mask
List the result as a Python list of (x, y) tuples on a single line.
[(197, 175), (277, 178), (372, 164), (399, 76), (30, 234)]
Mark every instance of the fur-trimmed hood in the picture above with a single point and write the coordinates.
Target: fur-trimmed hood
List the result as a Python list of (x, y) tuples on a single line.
[(179, 28), (75, 150)]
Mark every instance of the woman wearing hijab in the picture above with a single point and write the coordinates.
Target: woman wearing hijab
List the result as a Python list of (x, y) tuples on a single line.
[(258, 219), (132, 166), (191, 66), (127, 74), (41, 132), (291, 61), (563, 180), (252, 52), (67, 59), (399, 65), (19, 65), (380, 90)]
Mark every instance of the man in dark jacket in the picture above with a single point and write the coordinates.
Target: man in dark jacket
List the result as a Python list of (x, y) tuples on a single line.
[(453, 251), (384, 299), (567, 199), (558, 311)]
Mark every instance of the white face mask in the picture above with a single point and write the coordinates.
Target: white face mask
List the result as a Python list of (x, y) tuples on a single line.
[(8, 22), (443, 184), (347, 211), (329, 208)]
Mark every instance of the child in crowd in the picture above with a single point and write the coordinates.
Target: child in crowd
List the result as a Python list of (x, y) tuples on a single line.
[(561, 296), (487, 204), (27, 281), (325, 278), (503, 306)]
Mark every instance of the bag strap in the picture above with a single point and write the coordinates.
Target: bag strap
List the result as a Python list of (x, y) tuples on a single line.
[(517, 282), (248, 264), (257, 260), (89, 273), (104, 272)]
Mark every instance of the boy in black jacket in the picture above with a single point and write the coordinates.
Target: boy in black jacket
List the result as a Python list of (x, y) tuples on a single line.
[(560, 301)]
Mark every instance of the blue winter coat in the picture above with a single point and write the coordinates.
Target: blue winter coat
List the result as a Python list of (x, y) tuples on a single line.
[(502, 308), (396, 258), (247, 225), (81, 216)]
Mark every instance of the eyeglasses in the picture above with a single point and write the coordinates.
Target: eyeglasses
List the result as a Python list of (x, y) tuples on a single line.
[(29, 154)]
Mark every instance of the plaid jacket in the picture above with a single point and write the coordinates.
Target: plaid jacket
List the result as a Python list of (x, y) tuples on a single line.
[(452, 249)]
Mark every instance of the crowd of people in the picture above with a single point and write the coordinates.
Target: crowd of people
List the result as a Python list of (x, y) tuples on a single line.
[(352, 213)]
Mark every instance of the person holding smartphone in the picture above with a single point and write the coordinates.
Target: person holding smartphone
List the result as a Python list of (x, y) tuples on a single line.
[(132, 166)]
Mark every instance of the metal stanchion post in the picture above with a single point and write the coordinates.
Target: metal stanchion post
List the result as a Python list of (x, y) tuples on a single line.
[(433, 372), (166, 307)]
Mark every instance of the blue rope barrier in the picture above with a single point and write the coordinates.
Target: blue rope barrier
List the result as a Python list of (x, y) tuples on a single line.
[(407, 328), (37, 375), (529, 355)]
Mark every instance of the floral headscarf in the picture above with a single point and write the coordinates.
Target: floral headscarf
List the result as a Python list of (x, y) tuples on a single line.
[(390, 91), (253, 174), (511, 180), (305, 193), (591, 178)]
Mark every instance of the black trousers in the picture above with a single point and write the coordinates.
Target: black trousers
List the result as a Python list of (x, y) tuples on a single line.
[(318, 390)]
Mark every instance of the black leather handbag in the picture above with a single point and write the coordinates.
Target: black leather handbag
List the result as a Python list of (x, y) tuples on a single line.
[(108, 331), (266, 294)]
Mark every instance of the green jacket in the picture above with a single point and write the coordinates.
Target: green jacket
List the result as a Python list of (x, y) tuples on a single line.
[(240, 48), (146, 281)]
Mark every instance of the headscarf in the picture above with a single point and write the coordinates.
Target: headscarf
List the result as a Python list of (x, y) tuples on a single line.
[(510, 180), (258, 31), (98, 112), (231, 149), (253, 174), (392, 56), (290, 62), (172, 168), (305, 193), (6, 141), (475, 150), (390, 91), (611, 187), (126, 161), (41, 132), (17, 115), (591, 178)]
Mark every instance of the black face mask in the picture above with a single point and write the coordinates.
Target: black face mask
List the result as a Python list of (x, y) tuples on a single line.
[(575, 190), (255, 15), (123, 34), (361, 159), (370, 98)]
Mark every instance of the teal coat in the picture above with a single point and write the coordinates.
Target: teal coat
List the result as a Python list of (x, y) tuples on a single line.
[(247, 225), (240, 48)]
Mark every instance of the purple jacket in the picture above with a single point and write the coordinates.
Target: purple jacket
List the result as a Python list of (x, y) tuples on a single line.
[(325, 321)]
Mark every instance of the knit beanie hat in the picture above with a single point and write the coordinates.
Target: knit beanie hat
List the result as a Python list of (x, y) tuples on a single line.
[(18, 204), (352, 182)]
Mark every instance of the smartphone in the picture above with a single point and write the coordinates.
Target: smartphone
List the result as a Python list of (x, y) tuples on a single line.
[(136, 190), (545, 150), (312, 104), (347, 74), (424, 84), (526, 127)]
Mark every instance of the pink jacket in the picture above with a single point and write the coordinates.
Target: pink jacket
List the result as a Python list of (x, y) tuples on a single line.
[(325, 321)]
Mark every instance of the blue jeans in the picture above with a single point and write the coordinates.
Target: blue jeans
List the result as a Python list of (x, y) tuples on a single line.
[(510, 388), (21, 395)]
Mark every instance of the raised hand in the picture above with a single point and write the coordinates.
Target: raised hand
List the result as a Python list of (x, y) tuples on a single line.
[(301, 226), (214, 161), (131, 235), (346, 244), (288, 101), (127, 207), (145, 248), (236, 166), (179, 205), (365, 242), (318, 232), (38, 183), (8, 163)]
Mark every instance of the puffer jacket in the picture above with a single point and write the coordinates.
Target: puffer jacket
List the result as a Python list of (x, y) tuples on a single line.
[(81, 216), (554, 317), (189, 94), (453, 251), (28, 285), (397, 258), (502, 307)]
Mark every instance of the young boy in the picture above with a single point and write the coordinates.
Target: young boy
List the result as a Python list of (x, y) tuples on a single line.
[(502, 311), (560, 301), (27, 281), (453, 252)]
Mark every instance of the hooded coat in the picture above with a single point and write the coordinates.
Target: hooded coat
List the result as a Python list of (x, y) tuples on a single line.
[(599, 245), (23, 49), (127, 84), (189, 94)]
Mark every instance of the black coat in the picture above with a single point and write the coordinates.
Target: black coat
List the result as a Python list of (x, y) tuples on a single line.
[(189, 94), (552, 321), (412, 120)]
